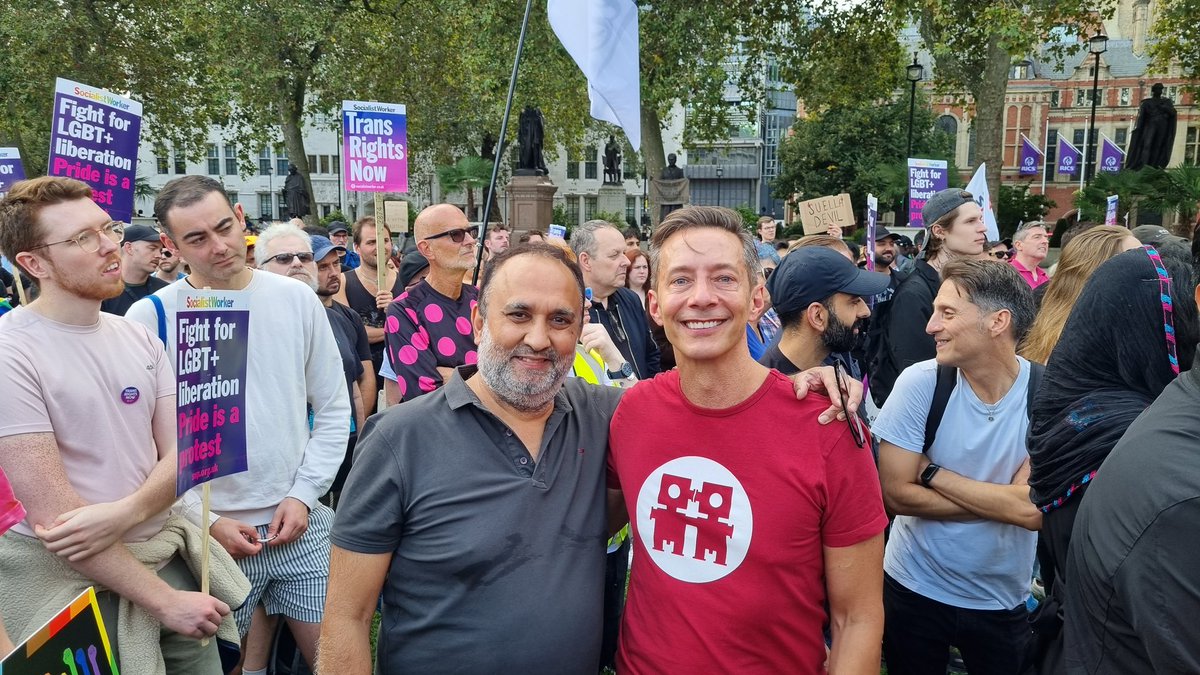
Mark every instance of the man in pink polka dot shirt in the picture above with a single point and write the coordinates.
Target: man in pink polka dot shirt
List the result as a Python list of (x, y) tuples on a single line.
[(427, 332)]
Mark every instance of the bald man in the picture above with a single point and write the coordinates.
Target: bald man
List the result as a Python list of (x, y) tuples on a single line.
[(428, 328)]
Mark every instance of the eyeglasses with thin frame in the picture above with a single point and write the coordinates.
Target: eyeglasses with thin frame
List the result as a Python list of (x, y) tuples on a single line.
[(456, 235), (852, 420), (89, 240), (286, 258)]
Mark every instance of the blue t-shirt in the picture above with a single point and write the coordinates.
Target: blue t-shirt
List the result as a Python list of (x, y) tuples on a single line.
[(975, 564)]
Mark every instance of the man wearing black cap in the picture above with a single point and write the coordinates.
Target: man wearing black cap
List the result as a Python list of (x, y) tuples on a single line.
[(820, 297), (339, 234), (887, 260), (141, 249)]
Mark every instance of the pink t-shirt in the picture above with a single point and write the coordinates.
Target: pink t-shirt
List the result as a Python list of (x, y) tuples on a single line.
[(95, 388), (11, 511), (1035, 277)]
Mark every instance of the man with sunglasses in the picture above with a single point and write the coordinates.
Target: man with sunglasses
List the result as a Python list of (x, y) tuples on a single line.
[(293, 368), (141, 251), (427, 333), (169, 267), (740, 537), (88, 440)]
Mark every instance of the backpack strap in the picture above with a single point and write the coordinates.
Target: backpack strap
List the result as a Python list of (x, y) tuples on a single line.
[(947, 378), (1036, 370), (162, 319)]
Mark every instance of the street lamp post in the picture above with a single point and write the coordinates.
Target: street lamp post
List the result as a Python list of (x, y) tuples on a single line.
[(720, 172), (1097, 46), (914, 72)]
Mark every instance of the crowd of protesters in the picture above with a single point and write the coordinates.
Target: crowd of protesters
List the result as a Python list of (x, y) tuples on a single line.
[(608, 453)]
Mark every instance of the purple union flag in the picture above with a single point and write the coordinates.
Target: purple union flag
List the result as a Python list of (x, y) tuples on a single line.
[(1111, 157), (1069, 157), (1031, 157)]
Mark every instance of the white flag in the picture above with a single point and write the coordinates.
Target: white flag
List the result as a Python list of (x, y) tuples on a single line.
[(602, 37), (978, 187)]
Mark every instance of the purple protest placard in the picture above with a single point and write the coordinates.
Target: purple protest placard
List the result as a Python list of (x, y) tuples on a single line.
[(1069, 157), (1111, 157), (872, 226), (926, 177), (94, 139), (11, 169), (213, 327), (1110, 213), (1031, 157), (375, 138)]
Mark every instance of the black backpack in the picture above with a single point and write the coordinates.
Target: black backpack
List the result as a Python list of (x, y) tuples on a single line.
[(947, 378)]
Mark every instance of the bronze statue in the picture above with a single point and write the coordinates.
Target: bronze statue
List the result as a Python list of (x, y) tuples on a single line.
[(530, 136), (295, 194), (670, 171), (1154, 136), (612, 161), (672, 190)]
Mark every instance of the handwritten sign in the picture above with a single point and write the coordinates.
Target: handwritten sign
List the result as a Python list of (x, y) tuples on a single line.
[(375, 136), (94, 139), (817, 215), (213, 329), (73, 641)]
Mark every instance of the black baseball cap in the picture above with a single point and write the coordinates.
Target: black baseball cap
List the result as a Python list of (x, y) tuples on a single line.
[(882, 232), (141, 233), (812, 273), (338, 226)]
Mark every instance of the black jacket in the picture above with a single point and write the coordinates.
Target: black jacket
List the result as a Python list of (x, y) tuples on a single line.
[(902, 336), (642, 351)]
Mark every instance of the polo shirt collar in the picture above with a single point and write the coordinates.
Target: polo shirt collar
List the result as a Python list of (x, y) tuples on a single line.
[(459, 395)]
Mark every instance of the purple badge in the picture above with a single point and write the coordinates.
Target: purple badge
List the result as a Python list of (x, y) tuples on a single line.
[(130, 395)]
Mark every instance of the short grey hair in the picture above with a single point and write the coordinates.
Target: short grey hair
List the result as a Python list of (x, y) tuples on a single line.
[(274, 232), (693, 217), (1023, 231), (583, 238), (992, 286)]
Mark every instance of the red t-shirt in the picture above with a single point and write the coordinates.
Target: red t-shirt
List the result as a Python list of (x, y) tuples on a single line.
[(11, 511), (730, 511)]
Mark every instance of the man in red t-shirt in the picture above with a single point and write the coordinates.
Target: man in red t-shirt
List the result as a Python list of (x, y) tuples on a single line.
[(748, 516)]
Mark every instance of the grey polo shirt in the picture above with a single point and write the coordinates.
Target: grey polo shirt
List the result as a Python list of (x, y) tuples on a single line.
[(497, 561)]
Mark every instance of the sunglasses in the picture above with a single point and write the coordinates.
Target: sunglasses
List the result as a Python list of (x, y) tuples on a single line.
[(1001, 255), (286, 258), (840, 374), (456, 235), (166, 253)]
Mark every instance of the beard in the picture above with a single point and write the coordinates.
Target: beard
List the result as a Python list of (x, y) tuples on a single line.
[(528, 394), (75, 282), (885, 259), (838, 337)]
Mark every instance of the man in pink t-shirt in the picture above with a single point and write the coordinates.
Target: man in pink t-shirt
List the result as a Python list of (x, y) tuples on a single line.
[(1031, 243), (742, 539)]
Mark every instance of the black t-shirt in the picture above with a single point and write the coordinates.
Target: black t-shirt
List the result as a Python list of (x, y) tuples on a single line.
[(773, 358), (121, 304), (1132, 587), (352, 344)]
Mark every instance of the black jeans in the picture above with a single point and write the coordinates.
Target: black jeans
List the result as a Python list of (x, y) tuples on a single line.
[(918, 633)]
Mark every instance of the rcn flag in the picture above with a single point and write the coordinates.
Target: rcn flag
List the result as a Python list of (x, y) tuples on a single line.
[(602, 38), (1031, 157), (979, 189), (1111, 157), (1069, 157)]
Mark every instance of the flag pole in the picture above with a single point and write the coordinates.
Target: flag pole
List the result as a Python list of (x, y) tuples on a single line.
[(1045, 153), (1087, 141), (500, 150)]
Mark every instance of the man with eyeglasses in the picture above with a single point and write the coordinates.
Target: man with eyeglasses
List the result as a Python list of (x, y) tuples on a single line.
[(961, 550), (600, 248), (141, 251), (741, 538), (293, 369), (427, 333), (88, 440)]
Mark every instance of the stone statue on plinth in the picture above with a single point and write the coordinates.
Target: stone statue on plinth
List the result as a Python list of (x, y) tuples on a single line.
[(1154, 136), (612, 162), (671, 191), (295, 194), (530, 136)]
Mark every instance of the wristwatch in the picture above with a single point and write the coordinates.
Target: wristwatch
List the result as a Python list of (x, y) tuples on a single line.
[(928, 474), (625, 372)]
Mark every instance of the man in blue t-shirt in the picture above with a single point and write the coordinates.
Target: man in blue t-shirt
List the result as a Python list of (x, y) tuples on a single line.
[(960, 556)]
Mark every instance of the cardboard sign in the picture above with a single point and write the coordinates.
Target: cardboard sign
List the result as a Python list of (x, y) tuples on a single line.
[(395, 216), (213, 329), (94, 138), (375, 137), (74, 642), (818, 214)]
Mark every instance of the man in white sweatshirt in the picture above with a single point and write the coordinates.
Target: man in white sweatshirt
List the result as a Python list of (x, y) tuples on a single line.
[(292, 368)]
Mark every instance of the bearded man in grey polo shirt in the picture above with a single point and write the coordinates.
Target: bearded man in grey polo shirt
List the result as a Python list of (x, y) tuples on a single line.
[(479, 509)]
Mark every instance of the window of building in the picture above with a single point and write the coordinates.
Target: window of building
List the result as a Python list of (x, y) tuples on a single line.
[(1055, 99), (1120, 136), (947, 125), (325, 164), (1052, 152), (180, 163), (1021, 71), (281, 161), (1124, 97), (335, 164), (162, 163), (1083, 97), (264, 161), (214, 160), (589, 207), (589, 163), (572, 210), (1191, 146), (629, 163), (231, 160), (312, 163), (326, 209), (631, 209), (971, 146), (265, 205), (232, 196), (1017, 121)]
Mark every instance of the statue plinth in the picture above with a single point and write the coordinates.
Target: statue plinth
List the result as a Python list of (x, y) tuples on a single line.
[(611, 199), (530, 202)]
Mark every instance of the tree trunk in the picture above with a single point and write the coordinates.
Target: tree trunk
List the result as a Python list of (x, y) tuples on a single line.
[(653, 156), (291, 120), (471, 205), (988, 91)]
